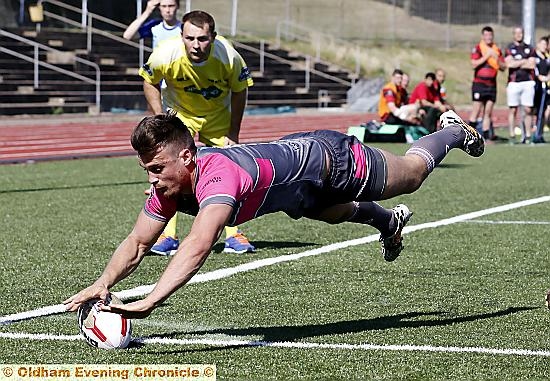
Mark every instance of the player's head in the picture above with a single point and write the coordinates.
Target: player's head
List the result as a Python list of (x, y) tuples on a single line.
[(166, 151), (429, 78), (542, 44), (397, 77), (517, 33), (487, 35), (159, 131), (405, 80), (168, 10), (440, 75), (198, 31)]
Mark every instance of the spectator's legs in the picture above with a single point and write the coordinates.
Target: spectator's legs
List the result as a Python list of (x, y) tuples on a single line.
[(487, 114), (527, 123), (512, 111), (476, 109)]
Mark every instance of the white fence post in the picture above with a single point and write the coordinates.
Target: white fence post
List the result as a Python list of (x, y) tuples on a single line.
[(84, 13), (36, 67), (307, 74), (89, 34), (262, 55), (234, 17)]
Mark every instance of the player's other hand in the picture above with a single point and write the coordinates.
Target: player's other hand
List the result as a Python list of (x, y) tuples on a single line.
[(152, 4), (229, 141), (136, 310), (96, 290)]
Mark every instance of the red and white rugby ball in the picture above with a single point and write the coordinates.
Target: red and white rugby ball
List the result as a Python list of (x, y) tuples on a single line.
[(102, 329)]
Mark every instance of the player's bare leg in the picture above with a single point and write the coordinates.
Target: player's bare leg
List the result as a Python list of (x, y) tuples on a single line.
[(406, 173)]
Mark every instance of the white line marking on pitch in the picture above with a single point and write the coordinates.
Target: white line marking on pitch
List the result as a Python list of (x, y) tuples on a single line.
[(498, 222), (227, 272), (297, 345)]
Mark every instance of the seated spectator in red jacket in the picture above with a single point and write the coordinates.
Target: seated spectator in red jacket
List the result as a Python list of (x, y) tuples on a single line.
[(391, 108), (427, 97)]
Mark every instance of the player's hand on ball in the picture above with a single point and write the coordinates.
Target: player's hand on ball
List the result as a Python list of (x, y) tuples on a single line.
[(96, 290), (136, 310)]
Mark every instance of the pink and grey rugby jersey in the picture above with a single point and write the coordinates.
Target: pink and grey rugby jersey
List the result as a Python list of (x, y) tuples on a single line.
[(289, 175), (254, 179)]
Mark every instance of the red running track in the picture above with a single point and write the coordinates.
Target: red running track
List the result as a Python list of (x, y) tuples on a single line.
[(38, 139)]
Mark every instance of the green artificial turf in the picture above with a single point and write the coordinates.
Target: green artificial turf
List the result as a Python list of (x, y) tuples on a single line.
[(471, 284)]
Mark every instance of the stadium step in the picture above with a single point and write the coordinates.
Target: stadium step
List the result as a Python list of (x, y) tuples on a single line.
[(280, 84)]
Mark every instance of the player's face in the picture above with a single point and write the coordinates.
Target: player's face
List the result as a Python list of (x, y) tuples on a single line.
[(518, 34), (405, 81), (397, 79), (197, 41), (440, 76), (167, 171), (542, 46), (168, 9), (429, 82), (487, 37)]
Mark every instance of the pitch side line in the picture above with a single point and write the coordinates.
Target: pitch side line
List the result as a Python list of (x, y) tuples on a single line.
[(498, 222), (298, 345), (227, 272)]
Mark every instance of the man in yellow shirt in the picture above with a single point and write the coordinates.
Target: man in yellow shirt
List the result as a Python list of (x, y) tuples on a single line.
[(207, 84)]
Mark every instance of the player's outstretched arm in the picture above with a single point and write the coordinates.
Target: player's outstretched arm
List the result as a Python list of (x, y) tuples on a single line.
[(123, 262), (134, 26), (187, 261)]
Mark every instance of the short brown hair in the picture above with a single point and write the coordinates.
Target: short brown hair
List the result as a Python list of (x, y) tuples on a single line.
[(199, 18), (157, 131)]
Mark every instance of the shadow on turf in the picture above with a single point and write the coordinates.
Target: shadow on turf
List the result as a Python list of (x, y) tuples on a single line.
[(86, 186), (218, 248), (294, 333), (452, 165)]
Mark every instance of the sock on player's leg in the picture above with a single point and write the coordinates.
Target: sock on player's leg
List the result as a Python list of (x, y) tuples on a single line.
[(170, 229), (230, 231), (434, 147), (371, 213)]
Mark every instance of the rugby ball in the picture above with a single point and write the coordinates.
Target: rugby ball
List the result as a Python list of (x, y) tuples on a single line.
[(103, 329)]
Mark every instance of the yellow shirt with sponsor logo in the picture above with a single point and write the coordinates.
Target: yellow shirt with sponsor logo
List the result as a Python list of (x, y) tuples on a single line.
[(197, 90)]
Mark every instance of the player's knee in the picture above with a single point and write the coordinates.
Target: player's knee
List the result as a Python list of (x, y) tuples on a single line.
[(415, 177), (335, 214)]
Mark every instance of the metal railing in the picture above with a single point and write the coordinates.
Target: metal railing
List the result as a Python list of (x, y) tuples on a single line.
[(37, 63), (289, 30), (90, 30), (88, 19), (306, 66)]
